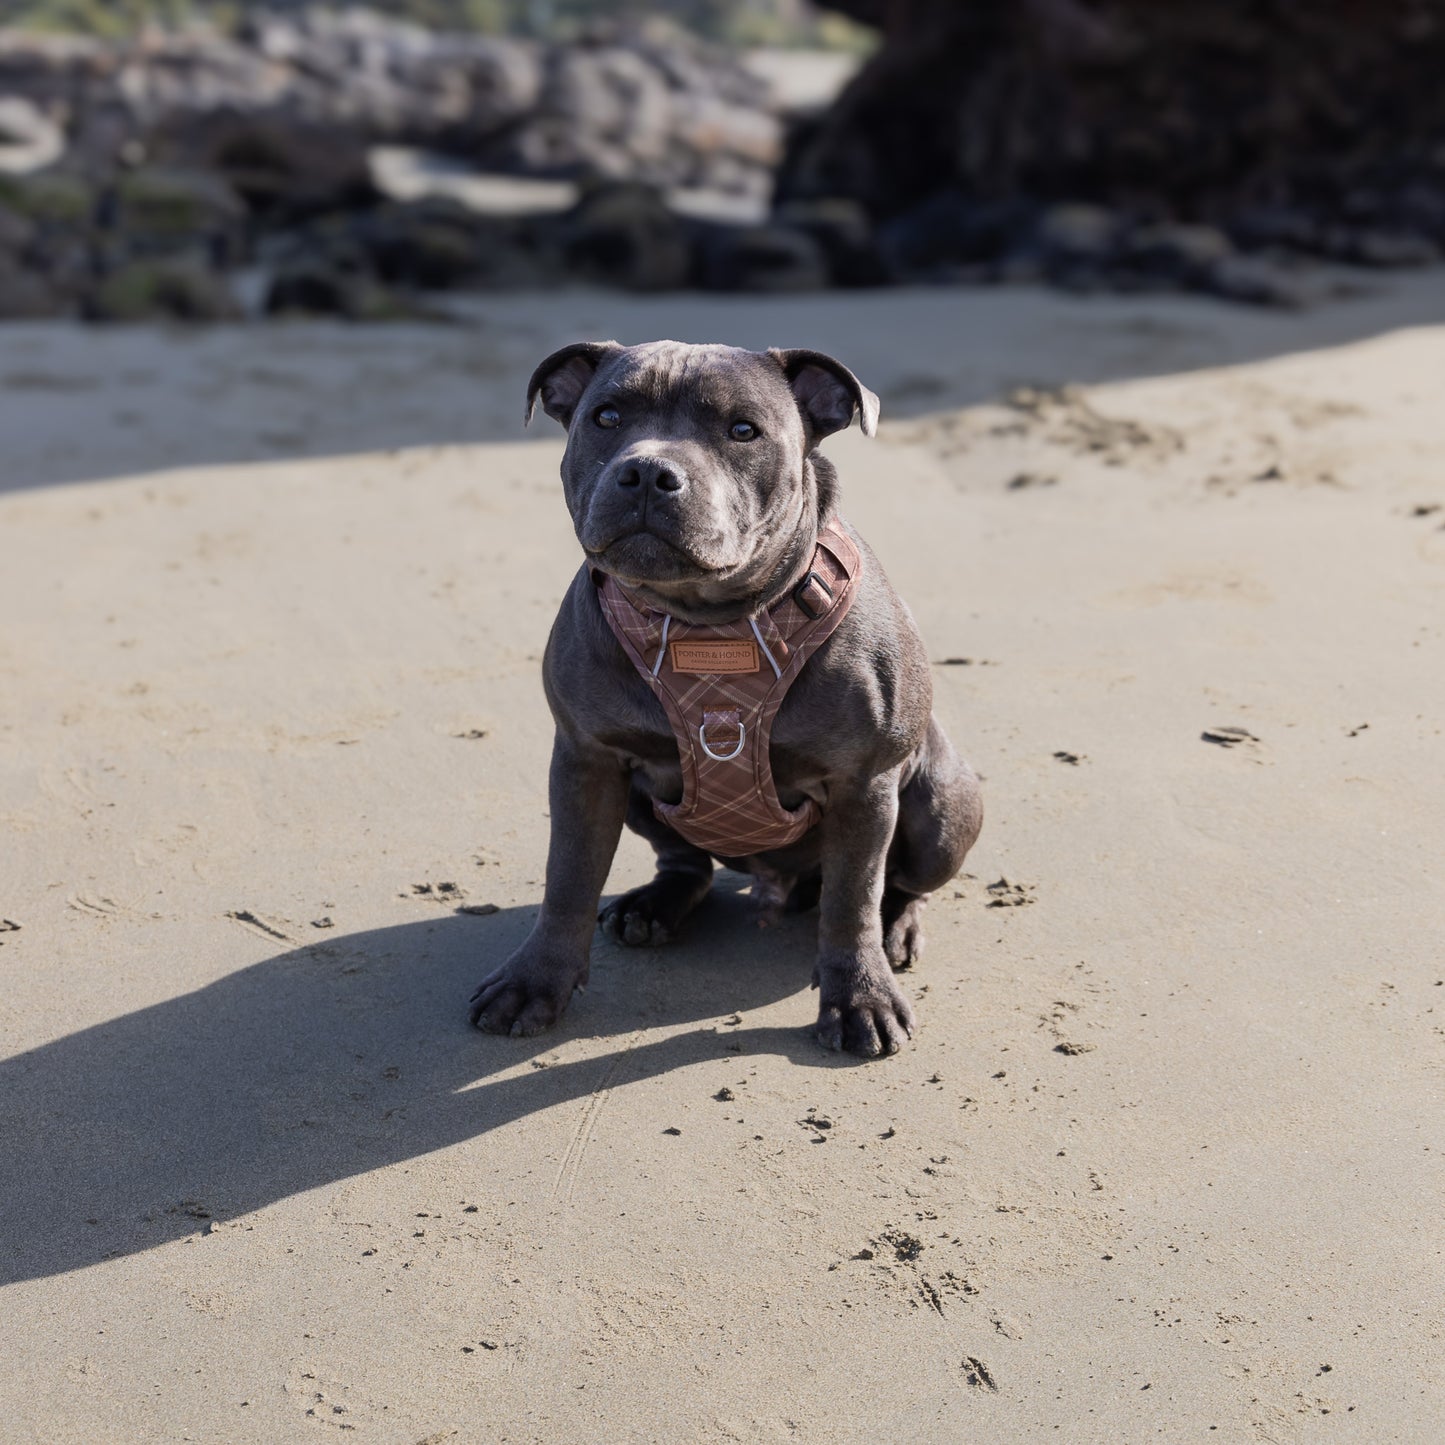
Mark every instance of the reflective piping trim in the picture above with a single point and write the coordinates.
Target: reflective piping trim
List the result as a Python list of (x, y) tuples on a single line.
[(662, 647), (772, 661)]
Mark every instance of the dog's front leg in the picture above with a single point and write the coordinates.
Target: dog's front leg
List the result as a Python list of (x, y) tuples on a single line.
[(587, 788), (860, 1007)]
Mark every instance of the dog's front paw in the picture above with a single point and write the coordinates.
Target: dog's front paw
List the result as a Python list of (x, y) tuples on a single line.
[(862, 1011), (527, 995)]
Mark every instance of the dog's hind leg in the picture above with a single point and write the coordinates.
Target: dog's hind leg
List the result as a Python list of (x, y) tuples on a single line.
[(655, 912), (806, 892), (940, 813)]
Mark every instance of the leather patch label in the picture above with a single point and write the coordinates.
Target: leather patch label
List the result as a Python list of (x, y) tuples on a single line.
[(715, 655)]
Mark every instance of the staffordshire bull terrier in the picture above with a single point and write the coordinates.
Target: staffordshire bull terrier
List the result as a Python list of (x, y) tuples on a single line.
[(732, 676)]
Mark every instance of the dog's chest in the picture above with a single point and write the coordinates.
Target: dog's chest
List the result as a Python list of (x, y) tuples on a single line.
[(640, 732)]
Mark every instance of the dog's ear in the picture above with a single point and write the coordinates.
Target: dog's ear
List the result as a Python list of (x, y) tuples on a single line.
[(564, 376), (827, 392)]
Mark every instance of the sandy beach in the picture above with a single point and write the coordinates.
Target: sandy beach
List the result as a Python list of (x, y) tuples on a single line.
[(1166, 1158)]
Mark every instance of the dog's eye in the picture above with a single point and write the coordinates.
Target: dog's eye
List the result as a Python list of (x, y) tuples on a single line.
[(742, 431), (608, 416)]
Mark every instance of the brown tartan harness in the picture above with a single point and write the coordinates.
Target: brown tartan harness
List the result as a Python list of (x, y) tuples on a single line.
[(722, 686)]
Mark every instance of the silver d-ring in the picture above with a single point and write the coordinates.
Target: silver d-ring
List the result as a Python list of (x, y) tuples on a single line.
[(722, 757)]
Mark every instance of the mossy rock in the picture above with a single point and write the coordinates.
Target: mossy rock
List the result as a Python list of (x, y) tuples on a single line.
[(57, 198), (315, 289), (162, 291), (177, 205)]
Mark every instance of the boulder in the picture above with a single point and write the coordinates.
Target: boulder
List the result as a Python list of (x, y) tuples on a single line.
[(29, 139), (623, 234), (17, 234), (1389, 248), (763, 258), (282, 167), (162, 290), (26, 294), (160, 211), (949, 231), (1258, 281), (429, 243), (1183, 254), (1075, 234), (1320, 127), (315, 289), (844, 234), (53, 198), (438, 243)]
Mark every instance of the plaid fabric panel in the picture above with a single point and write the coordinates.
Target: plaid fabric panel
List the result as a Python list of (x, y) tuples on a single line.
[(729, 803)]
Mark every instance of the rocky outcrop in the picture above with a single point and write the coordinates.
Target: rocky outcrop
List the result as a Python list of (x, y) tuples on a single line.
[(1088, 143), (1089, 139), (291, 98), (189, 155)]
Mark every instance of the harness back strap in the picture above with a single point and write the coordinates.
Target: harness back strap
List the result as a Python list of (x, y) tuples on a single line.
[(722, 686)]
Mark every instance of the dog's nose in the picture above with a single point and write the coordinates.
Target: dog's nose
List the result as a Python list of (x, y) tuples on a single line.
[(651, 472)]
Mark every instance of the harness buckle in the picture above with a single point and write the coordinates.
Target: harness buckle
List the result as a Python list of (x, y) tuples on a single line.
[(813, 596)]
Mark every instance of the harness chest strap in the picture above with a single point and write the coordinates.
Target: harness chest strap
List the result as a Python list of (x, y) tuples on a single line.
[(722, 686)]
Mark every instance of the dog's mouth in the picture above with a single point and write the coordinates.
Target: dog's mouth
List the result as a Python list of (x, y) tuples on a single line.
[(641, 555)]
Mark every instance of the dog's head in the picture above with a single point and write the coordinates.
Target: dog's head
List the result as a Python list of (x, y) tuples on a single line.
[(690, 471)]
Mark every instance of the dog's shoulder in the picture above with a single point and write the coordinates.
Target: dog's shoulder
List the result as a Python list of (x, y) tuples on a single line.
[(592, 686), (868, 687)]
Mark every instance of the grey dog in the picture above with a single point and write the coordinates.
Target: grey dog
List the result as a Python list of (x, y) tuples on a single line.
[(693, 477)]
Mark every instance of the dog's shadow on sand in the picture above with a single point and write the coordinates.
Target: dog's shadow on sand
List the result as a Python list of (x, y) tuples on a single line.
[(340, 1057)]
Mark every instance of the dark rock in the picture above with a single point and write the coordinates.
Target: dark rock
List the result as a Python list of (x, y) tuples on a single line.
[(312, 290), (844, 233), (17, 233), (437, 243), (624, 234), (1257, 280), (315, 289), (26, 294), (947, 231), (763, 259), (69, 262), (47, 242), (283, 167), (427, 243), (1391, 248), (1418, 207), (1179, 253), (1255, 227), (1317, 128)]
